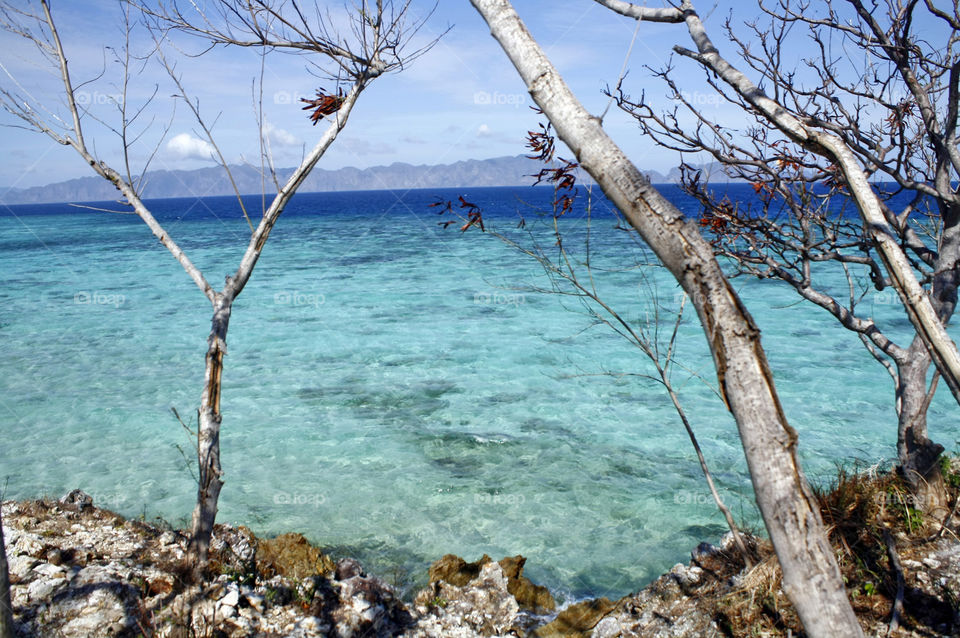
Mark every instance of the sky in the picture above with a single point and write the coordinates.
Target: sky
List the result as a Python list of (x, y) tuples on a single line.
[(461, 100)]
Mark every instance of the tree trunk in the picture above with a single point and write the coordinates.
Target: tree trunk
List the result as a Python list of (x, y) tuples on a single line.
[(6, 607), (208, 436), (918, 456), (811, 576)]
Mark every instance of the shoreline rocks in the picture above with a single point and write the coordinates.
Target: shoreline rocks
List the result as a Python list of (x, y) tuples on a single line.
[(79, 571)]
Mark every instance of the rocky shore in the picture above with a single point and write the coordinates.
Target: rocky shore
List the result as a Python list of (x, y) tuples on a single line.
[(80, 571)]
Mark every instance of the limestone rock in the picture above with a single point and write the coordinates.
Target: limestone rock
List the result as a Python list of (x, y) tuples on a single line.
[(481, 607), (233, 549), (368, 607), (77, 500), (348, 568), (458, 572), (667, 608)]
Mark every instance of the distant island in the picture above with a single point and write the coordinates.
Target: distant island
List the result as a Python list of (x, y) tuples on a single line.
[(212, 181)]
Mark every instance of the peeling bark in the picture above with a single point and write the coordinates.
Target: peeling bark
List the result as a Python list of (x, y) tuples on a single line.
[(210, 474), (918, 456), (811, 576)]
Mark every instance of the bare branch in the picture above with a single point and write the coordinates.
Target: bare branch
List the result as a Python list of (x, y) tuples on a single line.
[(647, 14)]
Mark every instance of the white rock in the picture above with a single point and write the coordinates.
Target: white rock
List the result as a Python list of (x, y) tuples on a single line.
[(232, 598), (312, 624), (687, 575), (50, 571), (28, 545), (21, 567), (42, 588), (256, 601), (608, 627)]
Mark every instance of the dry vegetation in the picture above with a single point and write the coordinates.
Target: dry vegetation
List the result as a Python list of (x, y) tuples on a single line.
[(883, 544)]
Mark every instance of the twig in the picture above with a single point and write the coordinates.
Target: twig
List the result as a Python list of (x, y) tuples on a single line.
[(898, 571)]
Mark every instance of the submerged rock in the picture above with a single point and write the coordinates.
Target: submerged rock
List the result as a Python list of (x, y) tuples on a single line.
[(293, 556), (577, 621)]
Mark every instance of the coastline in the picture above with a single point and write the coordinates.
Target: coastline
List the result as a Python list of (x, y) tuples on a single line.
[(78, 570)]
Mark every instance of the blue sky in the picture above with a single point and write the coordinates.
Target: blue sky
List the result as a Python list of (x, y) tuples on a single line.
[(462, 100)]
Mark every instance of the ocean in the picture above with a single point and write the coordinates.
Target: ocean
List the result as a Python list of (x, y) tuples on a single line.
[(396, 390)]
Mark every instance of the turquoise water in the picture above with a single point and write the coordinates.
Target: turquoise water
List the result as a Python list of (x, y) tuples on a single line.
[(396, 391)]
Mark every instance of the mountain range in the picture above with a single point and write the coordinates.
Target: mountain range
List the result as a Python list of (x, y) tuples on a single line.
[(206, 182)]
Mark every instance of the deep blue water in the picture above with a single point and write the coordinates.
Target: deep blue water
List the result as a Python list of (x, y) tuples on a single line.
[(397, 391)]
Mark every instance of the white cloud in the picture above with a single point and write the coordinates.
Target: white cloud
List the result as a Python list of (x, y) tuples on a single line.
[(484, 131), (278, 136), (185, 146)]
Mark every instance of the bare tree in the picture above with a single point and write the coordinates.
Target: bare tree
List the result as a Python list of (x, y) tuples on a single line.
[(893, 110), (376, 43), (811, 576)]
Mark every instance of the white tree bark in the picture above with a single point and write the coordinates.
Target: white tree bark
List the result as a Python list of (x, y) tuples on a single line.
[(811, 576), (208, 444)]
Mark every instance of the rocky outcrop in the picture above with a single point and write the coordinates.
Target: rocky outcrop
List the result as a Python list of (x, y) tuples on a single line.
[(82, 572), (79, 571), (480, 607), (455, 571)]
